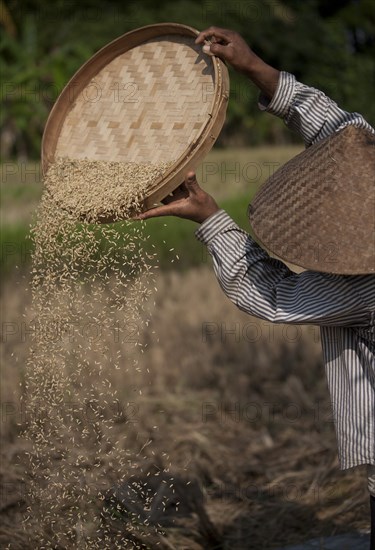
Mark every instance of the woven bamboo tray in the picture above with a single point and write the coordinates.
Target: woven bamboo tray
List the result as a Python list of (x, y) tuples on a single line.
[(151, 95)]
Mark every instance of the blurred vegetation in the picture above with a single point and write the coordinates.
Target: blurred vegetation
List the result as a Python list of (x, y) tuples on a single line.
[(232, 176), (330, 45), (171, 237)]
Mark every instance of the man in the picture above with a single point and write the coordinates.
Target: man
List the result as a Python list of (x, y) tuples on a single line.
[(339, 299)]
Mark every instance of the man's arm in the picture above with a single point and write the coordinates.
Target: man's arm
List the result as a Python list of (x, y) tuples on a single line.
[(306, 110), (261, 285), (265, 287), (231, 47)]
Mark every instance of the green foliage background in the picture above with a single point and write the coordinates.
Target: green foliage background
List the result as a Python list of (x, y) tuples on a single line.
[(330, 45)]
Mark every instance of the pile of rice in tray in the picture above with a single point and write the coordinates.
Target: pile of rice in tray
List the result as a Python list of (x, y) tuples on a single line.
[(91, 189)]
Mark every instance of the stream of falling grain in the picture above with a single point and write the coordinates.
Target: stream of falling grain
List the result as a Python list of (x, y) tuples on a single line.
[(90, 286)]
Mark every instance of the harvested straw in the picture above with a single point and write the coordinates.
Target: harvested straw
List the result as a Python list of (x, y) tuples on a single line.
[(265, 456)]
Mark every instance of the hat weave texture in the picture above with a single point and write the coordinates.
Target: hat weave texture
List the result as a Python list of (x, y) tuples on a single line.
[(318, 210)]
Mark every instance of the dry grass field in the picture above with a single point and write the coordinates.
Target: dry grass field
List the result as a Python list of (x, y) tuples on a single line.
[(221, 400), (225, 420)]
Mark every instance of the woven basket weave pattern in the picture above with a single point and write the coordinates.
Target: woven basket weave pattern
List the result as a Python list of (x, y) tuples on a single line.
[(145, 105)]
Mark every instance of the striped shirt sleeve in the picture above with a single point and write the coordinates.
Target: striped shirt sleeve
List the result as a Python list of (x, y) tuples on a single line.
[(265, 287), (308, 111)]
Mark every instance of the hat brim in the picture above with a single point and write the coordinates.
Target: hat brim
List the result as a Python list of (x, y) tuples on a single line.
[(318, 210)]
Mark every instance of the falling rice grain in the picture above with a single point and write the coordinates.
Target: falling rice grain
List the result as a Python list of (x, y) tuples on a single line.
[(86, 280)]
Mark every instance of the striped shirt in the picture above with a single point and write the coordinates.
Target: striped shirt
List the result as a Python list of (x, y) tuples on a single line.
[(342, 305)]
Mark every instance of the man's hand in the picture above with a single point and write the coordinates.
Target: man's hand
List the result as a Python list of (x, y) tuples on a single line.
[(231, 47), (187, 201)]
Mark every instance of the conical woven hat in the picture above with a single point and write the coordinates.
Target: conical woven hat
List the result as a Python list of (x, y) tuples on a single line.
[(318, 210)]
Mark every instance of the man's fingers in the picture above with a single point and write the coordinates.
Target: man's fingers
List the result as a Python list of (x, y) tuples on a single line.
[(218, 50), (166, 210), (180, 193), (174, 207), (216, 32), (223, 34), (191, 183)]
